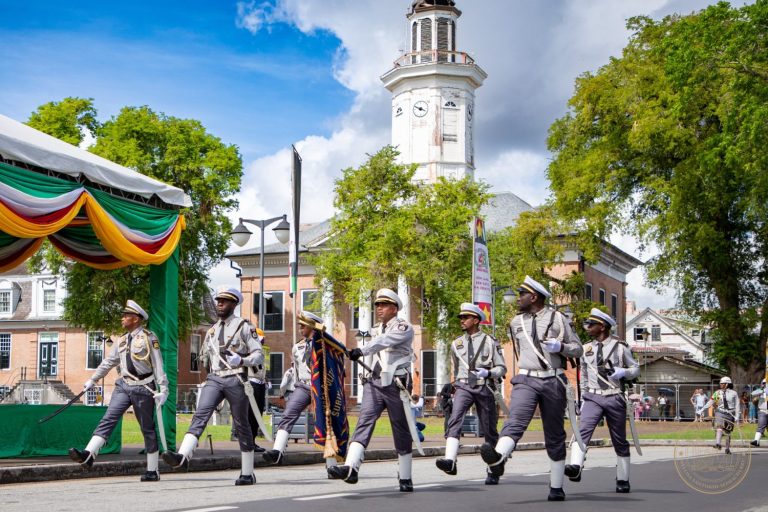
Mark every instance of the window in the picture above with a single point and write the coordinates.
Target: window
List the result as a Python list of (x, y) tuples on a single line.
[(5, 302), (95, 350), (194, 352), (399, 111), (355, 380), (450, 104), (588, 291), (94, 396), (5, 351), (275, 372), (273, 310), (602, 296), (614, 306), (426, 39), (49, 301), (428, 373), (639, 333), (655, 333), (311, 301), (695, 333), (450, 124), (355, 317)]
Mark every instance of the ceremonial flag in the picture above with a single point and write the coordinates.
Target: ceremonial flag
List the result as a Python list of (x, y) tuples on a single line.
[(293, 243), (328, 376), (482, 290)]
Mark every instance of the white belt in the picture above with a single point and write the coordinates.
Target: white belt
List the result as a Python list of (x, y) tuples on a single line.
[(479, 381), (227, 373), (133, 382), (542, 374), (604, 392)]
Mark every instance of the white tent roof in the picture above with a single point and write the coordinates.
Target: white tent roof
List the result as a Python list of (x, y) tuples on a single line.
[(24, 144)]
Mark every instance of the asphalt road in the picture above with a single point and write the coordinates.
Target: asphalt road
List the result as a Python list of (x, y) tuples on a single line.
[(656, 486)]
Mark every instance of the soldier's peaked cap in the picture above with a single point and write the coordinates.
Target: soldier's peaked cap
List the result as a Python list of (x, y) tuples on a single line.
[(232, 294), (312, 316), (134, 309), (467, 308), (533, 286), (595, 315), (388, 297)]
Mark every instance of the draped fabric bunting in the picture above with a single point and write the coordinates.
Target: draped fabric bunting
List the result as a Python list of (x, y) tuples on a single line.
[(328, 375), (84, 223)]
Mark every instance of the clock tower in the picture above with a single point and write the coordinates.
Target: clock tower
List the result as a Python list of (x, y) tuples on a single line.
[(433, 95)]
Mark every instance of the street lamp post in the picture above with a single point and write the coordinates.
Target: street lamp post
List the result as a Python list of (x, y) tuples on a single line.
[(646, 335), (240, 236)]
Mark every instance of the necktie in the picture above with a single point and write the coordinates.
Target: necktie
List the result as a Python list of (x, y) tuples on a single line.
[(471, 378), (128, 359), (600, 363), (535, 338), (221, 343)]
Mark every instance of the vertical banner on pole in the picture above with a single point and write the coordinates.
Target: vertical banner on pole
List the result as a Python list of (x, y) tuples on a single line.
[(164, 322), (482, 290), (293, 244)]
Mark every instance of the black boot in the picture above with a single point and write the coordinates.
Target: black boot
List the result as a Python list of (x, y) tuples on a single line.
[(273, 456), (150, 476), (491, 479), (446, 465), (755, 443), (727, 451), (406, 485), (573, 472), (716, 447), (556, 494), (245, 480), (491, 457), (83, 457), (345, 473), (622, 486), (258, 449), (175, 460)]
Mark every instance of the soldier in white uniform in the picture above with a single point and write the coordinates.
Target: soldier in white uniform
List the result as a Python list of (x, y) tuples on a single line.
[(231, 346), (605, 363), (762, 412), (477, 364), (389, 354), (543, 339), (727, 412), (301, 397), (143, 383)]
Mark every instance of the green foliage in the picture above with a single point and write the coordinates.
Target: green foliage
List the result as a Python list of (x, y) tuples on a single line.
[(387, 227), (667, 143), (69, 119), (179, 152)]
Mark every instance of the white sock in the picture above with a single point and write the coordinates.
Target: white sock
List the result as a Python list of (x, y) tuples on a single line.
[(152, 461), (758, 435), (622, 468), (505, 446), (281, 440), (451, 448), (355, 455), (577, 456), (188, 445), (246, 463), (556, 473), (94, 445), (330, 462), (404, 465), (719, 437)]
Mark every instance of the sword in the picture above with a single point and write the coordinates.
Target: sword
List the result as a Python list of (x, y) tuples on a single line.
[(630, 414), (498, 398), (61, 409), (160, 423), (256, 412), (406, 399), (572, 415)]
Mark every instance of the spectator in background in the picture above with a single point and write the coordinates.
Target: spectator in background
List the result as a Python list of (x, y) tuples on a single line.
[(445, 403), (745, 401), (661, 402), (417, 407), (698, 400)]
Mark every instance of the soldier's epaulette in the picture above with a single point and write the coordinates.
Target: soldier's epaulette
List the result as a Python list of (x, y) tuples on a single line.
[(588, 349), (623, 342), (212, 330)]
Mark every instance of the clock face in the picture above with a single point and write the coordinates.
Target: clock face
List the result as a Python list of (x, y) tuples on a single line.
[(420, 108), (469, 111)]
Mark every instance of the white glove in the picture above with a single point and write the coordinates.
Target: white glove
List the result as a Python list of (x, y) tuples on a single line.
[(88, 385), (161, 397), (551, 345), (481, 373), (618, 374), (234, 359)]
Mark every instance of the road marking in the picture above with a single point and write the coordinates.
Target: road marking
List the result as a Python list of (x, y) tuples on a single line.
[(326, 496), (535, 474), (477, 480), (211, 509), (424, 486)]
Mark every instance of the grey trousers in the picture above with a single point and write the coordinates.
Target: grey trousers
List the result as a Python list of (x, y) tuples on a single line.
[(215, 390), (614, 409), (375, 399), (143, 404), (294, 406), (485, 404), (762, 421), (549, 395)]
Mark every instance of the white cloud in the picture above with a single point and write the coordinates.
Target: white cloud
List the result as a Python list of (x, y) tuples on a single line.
[(253, 17)]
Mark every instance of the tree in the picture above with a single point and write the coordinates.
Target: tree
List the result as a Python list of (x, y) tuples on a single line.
[(179, 152), (387, 226), (667, 143)]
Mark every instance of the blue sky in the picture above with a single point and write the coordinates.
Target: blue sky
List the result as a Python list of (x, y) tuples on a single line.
[(267, 74)]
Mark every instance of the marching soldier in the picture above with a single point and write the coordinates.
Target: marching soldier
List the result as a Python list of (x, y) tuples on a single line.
[(389, 354), (762, 413), (301, 397), (230, 347), (727, 412), (543, 338), (477, 364), (605, 363), (142, 385)]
